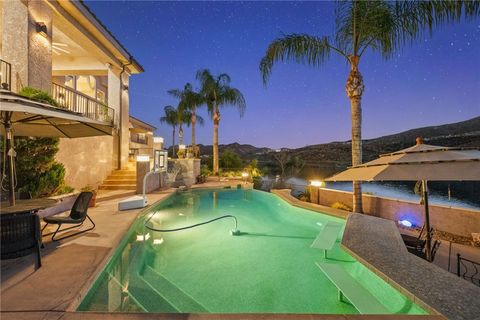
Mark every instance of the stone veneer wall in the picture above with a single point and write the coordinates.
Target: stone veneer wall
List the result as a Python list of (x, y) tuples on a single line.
[(189, 173), (87, 161), (457, 221)]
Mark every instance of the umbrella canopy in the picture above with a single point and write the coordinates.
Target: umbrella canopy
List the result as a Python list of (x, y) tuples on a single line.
[(20, 116), (420, 162), (36, 119)]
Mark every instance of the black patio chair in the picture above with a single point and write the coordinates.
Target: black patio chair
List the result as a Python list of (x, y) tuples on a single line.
[(77, 217), (20, 236), (418, 242), (422, 254)]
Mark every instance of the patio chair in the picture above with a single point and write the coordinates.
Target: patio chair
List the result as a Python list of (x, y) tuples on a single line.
[(20, 236), (422, 254), (417, 243), (77, 216)]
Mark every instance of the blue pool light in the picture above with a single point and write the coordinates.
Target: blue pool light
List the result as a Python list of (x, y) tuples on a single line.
[(405, 223)]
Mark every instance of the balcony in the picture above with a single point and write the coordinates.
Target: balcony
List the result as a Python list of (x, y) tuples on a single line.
[(78, 102), (67, 99)]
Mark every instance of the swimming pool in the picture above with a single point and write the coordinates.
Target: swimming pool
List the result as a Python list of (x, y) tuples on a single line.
[(268, 268)]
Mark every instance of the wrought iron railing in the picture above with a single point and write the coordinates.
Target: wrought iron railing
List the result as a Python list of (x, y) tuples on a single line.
[(468, 270), (135, 137), (78, 102), (5, 75)]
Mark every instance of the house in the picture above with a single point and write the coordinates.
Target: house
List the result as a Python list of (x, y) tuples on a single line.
[(142, 141), (61, 47)]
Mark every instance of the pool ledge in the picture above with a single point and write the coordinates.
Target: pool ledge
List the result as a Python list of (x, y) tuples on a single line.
[(285, 194), (378, 245)]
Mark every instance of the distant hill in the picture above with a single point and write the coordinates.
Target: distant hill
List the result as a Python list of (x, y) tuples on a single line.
[(335, 156)]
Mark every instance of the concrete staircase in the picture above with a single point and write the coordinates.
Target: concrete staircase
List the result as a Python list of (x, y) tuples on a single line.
[(125, 179)]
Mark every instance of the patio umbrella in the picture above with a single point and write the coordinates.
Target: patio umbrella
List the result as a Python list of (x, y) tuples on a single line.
[(421, 162), (24, 117)]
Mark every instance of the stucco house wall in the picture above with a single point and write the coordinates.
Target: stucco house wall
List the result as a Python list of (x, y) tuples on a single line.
[(87, 160)]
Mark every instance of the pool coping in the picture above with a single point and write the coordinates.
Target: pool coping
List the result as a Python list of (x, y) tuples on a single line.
[(436, 290), (285, 194)]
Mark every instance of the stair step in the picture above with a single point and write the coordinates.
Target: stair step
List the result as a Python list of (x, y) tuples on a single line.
[(117, 187), (171, 293), (123, 172), (120, 181), (122, 177)]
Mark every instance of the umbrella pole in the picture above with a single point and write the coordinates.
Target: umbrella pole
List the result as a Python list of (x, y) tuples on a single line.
[(428, 240), (10, 154)]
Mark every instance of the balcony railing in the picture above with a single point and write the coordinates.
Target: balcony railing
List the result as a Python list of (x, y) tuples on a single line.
[(75, 101), (134, 137), (5, 75)]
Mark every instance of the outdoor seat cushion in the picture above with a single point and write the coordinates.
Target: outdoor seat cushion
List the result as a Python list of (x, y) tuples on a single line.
[(57, 220)]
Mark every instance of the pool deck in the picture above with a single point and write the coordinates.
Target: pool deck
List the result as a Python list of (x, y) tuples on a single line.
[(70, 266)]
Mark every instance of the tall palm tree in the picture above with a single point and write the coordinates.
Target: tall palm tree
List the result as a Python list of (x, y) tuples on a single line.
[(190, 101), (170, 117), (217, 93), (381, 26)]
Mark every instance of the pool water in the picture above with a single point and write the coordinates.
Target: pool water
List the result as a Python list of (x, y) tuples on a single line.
[(268, 268)]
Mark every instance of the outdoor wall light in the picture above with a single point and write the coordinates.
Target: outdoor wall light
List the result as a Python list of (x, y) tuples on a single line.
[(244, 174), (41, 28), (317, 183), (125, 87), (143, 158), (157, 139)]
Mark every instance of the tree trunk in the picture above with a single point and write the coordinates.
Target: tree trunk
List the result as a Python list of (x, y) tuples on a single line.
[(216, 121), (354, 89), (180, 135), (173, 143), (194, 121)]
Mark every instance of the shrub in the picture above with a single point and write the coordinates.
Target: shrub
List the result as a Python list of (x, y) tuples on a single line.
[(230, 160), (304, 196), (37, 171), (257, 182), (341, 206), (38, 95)]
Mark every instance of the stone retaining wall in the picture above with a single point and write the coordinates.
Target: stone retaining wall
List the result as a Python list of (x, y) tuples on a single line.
[(454, 220)]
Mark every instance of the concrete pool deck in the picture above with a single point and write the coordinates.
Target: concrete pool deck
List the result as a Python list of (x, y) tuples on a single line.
[(71, 265)]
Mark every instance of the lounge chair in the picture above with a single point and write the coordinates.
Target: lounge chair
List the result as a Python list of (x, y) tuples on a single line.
[(20, 236), (77, 216)]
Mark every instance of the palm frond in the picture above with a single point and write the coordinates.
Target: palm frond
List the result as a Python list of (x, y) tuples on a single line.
[(301, 48)]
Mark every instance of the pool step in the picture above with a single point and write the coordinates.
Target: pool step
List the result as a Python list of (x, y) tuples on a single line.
[(149, 298), (182, 301), (139, 289)]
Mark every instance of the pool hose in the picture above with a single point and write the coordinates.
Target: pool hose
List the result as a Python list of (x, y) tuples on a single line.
[(234, 232)]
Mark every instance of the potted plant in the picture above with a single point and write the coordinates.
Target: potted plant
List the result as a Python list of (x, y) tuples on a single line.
[(181, 153), (93, 201)]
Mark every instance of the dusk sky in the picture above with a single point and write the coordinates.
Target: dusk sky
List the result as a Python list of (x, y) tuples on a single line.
[(436, 80)]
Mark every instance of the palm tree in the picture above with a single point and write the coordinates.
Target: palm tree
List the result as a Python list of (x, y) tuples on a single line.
[(381, 26), (170, 117), (217, 93), (190, 101)]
